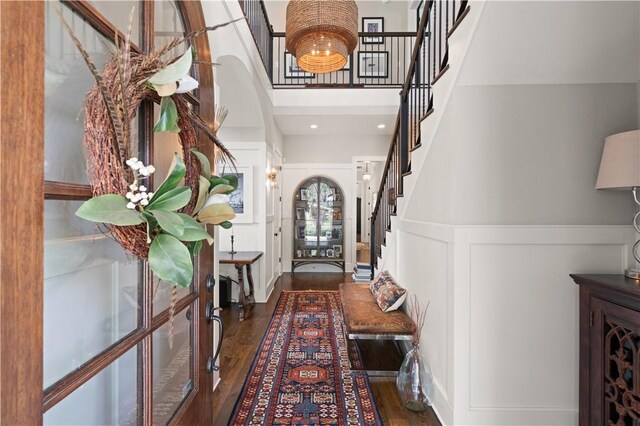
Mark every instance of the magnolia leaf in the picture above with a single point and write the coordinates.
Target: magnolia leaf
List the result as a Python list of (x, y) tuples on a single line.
[(193, 231), (194, 247), (222, 189), (233, 180), (170, 260), (170, 222), (203, 193), (166, 89), (168, 120), (172, 200), (175, 71), (215, 214), (148, 217), (215, 181), (226, 224), (175, 175), (204, 162), (109, 208)]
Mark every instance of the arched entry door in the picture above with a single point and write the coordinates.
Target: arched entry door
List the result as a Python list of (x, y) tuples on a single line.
[(87, 336)]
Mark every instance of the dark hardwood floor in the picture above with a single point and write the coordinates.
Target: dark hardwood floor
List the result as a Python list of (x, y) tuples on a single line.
[(242, 340)]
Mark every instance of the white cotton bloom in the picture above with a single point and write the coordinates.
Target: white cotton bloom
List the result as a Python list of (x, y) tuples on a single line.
[(217, 199), (131, 161), (144, 202), (133, 187), (150, 194), (140, 164), (136, 198), (144, 171), (150, 168), (187, 84), (131, 206), (142, 188), (144, 195), (136, 165), (129, 195)]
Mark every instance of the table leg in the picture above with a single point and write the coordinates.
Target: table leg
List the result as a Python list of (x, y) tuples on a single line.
[(252, 299), (240, 292)]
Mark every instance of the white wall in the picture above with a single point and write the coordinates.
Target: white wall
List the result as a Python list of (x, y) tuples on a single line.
[(501, 205), (332, 149)]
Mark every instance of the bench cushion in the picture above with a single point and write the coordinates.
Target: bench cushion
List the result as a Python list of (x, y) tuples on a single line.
[(363, 316)]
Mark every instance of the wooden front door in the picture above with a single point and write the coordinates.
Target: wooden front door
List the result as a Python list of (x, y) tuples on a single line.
[(87, 336)]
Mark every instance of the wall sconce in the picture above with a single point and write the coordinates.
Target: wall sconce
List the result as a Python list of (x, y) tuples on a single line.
[(271, 176), (366, 176)]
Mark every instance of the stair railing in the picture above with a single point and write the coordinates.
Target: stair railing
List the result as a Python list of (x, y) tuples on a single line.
[(256, 14), (428, 62)]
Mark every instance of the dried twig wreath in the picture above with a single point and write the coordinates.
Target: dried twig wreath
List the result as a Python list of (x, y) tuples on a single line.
[(163, 227)]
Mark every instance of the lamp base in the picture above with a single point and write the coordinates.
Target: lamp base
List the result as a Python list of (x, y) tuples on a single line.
[(632, 273)]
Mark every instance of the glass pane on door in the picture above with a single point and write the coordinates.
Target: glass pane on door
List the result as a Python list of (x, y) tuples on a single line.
[(109, 398), (172, 366), (117, 12), (67, 80), (90, 291)]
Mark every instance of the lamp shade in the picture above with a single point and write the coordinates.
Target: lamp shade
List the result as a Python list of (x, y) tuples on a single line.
[(321, 34), (620, 163)]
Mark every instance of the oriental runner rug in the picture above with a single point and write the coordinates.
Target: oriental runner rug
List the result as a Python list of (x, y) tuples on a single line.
[(300, 374)]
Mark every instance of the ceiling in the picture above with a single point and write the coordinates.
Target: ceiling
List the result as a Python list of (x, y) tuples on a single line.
[(329, 125)]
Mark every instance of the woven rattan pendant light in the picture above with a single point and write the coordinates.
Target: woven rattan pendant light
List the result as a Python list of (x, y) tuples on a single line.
[(321, 34)]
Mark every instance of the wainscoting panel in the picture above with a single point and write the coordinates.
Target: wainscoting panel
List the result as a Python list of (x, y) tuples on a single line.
[(502, 329)]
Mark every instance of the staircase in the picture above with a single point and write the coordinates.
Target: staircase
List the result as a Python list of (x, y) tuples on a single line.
[(429, 62)]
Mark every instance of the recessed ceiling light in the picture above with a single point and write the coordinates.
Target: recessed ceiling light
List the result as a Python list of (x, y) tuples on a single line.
[(381, 126), (314, 126)]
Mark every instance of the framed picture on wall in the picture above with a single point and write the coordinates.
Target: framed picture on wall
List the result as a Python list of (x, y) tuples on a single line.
[(337, 251), (373, 64), (372, 25), (291, 68), (300, 213), (303, 194), (241, 200)]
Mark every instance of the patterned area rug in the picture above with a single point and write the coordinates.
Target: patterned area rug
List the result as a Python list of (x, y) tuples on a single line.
[(301, 374)]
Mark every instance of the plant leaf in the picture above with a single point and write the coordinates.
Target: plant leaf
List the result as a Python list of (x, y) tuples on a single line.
[(226, 224), (148, 217), (109, 208), (166, 89), (171, 200), (168, 120), (233, 180), (170, 222), (215, 181), (175, 175), (170, 260), (174, 71), (215, 214), (194, 247), (204, 162), (222, 189), (203, 193), (193, 231)]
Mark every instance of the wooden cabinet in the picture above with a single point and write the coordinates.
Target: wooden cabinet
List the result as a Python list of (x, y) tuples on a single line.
[(318, 223), (609, 350)]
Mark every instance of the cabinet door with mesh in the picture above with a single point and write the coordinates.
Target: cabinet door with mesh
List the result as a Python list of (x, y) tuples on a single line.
[(615, 365)]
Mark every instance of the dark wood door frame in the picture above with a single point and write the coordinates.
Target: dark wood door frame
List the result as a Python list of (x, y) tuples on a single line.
[(21, 210)]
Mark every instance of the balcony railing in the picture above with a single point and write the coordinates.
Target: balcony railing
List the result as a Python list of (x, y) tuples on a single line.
[(428, 61), (380, 59)]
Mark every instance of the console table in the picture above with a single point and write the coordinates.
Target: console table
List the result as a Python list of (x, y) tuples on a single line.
[(241, 260), (609, 349)]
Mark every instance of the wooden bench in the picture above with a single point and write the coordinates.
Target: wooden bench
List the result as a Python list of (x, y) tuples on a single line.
[(364, 320)]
